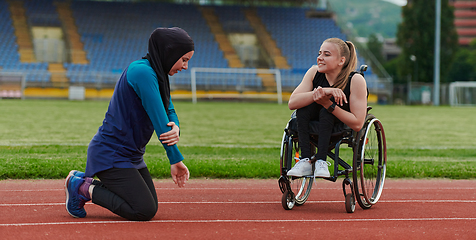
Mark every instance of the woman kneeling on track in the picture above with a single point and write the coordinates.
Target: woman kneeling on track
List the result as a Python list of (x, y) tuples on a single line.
[(329, 93), (140, 104)]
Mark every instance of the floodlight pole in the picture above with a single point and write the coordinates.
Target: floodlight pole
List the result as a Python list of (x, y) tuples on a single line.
[(436, 72)]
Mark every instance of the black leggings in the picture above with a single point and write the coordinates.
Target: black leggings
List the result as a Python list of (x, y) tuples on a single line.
[(327, 120), (127, 192)]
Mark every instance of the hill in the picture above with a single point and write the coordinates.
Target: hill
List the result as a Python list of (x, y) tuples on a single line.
[(365, 17)]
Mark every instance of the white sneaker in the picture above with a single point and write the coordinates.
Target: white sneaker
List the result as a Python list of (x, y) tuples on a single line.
[(322, 169), (301, 168)]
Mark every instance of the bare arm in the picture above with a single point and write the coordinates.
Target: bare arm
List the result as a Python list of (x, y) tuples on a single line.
[(302, 95), (357, 102)]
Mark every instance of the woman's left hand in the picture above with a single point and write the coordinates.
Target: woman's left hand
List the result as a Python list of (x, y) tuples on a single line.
[(171, 137), (338, 94), (323, 96)]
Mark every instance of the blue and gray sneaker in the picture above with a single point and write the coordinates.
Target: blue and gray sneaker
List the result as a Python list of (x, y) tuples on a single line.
[(74, 201)]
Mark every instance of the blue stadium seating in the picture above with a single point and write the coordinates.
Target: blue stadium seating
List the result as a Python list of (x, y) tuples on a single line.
[(41, 13), (116, 33), (9, 56), (298, 37), (233, 20)]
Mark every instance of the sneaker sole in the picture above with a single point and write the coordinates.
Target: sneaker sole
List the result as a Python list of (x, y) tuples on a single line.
[(306, 175), (309, 175), (323, 176)]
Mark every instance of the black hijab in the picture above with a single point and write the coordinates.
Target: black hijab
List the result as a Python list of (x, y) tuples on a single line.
[(166, 46)]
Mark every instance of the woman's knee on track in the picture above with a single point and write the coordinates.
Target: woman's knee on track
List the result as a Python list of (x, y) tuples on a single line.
[(144, 213)]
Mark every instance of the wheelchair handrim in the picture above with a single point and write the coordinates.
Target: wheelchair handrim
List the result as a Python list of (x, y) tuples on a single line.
[(382, 156)]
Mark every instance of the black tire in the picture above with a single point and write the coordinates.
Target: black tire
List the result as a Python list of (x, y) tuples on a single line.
[(349, 203), (284, 162), (288, 201), (369, 163)]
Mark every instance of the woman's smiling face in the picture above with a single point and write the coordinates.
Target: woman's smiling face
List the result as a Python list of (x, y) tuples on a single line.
[(329, 58)]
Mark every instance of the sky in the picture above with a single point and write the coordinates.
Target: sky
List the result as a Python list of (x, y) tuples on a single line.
[(397, 2)]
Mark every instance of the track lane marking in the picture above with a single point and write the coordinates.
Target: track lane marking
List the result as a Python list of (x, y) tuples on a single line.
[(252, 202), (257, 188), (239, 221)]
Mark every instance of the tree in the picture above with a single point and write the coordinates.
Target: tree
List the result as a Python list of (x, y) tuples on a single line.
[(416, 36), (464, 65), (374, 45), (472, 55), (462, 69)]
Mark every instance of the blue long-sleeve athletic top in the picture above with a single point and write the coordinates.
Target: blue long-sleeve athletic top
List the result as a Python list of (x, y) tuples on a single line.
[(135, 111)]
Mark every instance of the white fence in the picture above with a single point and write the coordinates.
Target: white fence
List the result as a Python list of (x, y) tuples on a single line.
[(240, 78), (231, 82)]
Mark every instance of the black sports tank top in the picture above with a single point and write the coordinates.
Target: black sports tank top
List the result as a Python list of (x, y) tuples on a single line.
[(321, 80)]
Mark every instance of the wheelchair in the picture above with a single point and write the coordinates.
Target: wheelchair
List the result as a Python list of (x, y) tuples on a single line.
[(364, 176)]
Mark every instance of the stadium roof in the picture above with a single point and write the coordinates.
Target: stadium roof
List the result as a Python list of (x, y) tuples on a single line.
[(246, 2)]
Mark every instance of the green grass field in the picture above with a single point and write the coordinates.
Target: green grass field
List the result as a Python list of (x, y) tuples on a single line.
[(48, 138)]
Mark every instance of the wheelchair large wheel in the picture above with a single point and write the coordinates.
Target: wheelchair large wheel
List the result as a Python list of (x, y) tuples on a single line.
[(370, 162), (300, 186)]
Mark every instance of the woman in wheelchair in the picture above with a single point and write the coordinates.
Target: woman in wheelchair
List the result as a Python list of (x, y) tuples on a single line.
[(331, 93)]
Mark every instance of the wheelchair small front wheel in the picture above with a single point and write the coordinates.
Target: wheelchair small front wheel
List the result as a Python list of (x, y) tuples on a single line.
[(349, 203), (288, 200)]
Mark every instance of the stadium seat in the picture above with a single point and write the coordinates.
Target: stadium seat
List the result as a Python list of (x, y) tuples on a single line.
[(115, 34)]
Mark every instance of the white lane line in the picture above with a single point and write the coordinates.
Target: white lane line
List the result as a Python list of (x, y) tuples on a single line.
[(19, 143), (239, 221), (161, 189), (254, 202), (257, 188)]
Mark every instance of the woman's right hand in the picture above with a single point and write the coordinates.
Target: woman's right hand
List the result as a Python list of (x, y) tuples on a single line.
[(171, 137), (180, 173)]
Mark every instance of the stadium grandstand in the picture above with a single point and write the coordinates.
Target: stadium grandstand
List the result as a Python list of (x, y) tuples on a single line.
[(53, 48), (465, 20)]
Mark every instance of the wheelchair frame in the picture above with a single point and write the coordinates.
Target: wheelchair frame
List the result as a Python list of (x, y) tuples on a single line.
[(368, 165)]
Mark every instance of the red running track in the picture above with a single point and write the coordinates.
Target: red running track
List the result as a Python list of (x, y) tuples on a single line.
[(248, 209)]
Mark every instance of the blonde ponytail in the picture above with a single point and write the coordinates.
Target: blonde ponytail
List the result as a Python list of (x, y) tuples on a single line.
[(347, 50)]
